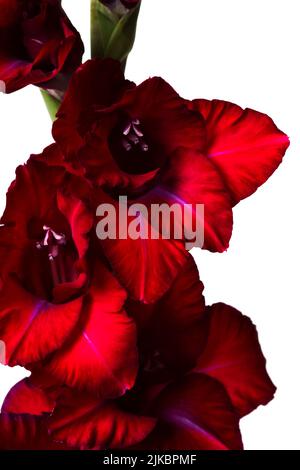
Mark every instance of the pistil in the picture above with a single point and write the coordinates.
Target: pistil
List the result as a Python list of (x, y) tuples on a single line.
[(54, 242)]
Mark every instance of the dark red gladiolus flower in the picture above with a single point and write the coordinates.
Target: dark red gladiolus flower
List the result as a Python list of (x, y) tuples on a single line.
[(151, 145), (160, 157), (193, 411), (58, 301), (143, 142), (39, 45), (43, 246), (194, 407)]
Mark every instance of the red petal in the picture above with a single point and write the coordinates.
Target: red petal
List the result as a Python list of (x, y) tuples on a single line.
[(32, 328), (179, 327), (191, 178), (195, 414), (146, 268), (245, 145), (80, 219), (39, 182), (86, 423), (25, 398), (165, 116), (85, 125), (52, 198), (135, 261), (81, 222), (102, 354), (25, 432), (174, 325), (53, 47), (234, 357), (77, 111)]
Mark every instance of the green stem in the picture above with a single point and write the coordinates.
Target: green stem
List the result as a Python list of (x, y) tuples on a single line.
[(52, 104)]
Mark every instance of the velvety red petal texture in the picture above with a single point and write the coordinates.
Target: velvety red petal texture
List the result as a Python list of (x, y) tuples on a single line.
[(33, 328), (191, 179), (101, 356), (53, 198), (81, 222), (103, 171), (25, 432), (195, 414), (178, 322), (80, 219), (40, 183), (40, 46), (26, 398), (245, 145), (145, 267), (174, 326), (77, 112), (86, 423), (233, 356), (165, 116)]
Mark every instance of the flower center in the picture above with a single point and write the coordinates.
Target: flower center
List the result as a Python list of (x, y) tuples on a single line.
[(131, 145), (133, 136), (54, 243)]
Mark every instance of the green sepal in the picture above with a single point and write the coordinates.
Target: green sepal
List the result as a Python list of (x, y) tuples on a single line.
[(103, 23), (111, 35)]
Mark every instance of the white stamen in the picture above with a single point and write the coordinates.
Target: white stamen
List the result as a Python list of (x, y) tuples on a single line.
[(144, 146), (59, 237), (127, 129), (138, 131)]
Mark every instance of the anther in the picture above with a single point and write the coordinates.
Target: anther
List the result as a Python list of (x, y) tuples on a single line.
[(137, 131), (133, 135), (127, 129), (127, 146), (144, 146)]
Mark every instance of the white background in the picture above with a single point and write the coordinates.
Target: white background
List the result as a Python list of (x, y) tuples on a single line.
[(247, 52)]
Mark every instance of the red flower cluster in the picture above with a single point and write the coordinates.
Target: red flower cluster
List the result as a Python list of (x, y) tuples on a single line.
[(123, 351)]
